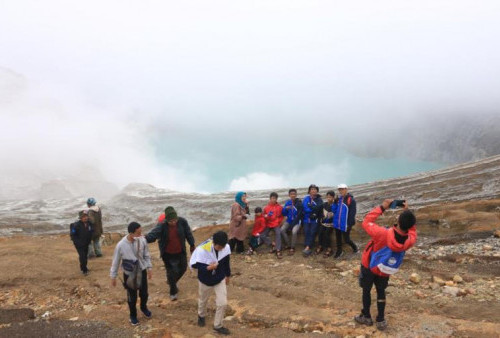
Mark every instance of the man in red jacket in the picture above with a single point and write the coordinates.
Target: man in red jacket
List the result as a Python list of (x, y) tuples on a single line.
[(395, 241), (273, 214)]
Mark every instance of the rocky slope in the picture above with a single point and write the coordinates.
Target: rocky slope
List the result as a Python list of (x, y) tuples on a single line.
[(143, 203)]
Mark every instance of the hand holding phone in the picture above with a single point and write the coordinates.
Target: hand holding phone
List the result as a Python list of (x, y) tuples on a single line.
[(397, 204)]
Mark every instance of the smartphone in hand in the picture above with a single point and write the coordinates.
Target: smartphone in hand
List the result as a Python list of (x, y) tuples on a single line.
[(397, 203)]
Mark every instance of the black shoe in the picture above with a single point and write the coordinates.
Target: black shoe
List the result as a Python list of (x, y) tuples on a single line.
[(201, 321), (99, 255), (147, 313), (86, 272), (222, 330), (134, 321), (338, 254)]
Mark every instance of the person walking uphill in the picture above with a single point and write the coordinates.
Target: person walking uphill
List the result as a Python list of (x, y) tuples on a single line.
[(95, 217), (81, 235), (345, 218), (133, 252), (238, 230), (172, 235), (313, 210), (212, 259), (382, 257)]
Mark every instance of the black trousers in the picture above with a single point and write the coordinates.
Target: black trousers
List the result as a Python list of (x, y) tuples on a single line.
[(240, 246), (83, 251), (132, 294), (347, 238), (325, 237), (366, 281), (175, 266)]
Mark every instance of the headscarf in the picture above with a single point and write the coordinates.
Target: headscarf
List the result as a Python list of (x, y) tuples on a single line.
[(239, 200)]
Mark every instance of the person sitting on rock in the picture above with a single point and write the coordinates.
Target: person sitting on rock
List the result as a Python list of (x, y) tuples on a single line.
[(133, 249), (313, 211), (292, 210), (326, 228), (212, 260), (382, 257), (273, 214), (258, 228)]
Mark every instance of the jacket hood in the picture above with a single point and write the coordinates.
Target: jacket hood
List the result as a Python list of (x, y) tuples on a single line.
[(94, 208), (395, 246)]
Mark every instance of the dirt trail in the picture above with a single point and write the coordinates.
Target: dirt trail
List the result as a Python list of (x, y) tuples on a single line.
[(295, 296)]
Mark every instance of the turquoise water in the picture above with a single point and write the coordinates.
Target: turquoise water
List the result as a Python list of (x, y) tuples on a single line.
[(221, 162)]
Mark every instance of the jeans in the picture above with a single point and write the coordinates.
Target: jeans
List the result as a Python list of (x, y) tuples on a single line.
[(175, 266), (310, 230), (347, 238), (132, 294), (295, 231), (277, 236), (83, 252), (325, 237), (95, 247), (366, 280)]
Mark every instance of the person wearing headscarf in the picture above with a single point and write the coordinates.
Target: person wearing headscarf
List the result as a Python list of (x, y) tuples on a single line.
[(238, 230)]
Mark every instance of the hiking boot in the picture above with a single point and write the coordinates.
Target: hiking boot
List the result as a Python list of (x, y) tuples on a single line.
[(361, 319), (134, 321), (147, 313), (201, 321), (381, 326), (222, 330), (173, 297), (338, 254)]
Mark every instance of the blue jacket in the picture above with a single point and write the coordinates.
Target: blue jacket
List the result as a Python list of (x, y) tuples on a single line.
[(312, 209), (345, 212), (294, 214), (214, 277)]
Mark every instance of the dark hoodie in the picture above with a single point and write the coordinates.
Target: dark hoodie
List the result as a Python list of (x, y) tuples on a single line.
[(381, 237)]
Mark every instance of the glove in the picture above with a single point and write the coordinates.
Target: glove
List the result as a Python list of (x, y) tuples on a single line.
[(191, 248)]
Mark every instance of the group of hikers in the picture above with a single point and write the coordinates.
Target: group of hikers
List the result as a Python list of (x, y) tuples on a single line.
[(381, 257), (318, 218)]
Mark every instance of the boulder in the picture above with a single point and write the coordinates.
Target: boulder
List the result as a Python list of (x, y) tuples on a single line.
[(415, 278), (438, 280), (451, 290)]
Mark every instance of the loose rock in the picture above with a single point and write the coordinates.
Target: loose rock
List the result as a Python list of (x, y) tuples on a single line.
[(438, 280), (415, 278), (458, 279), (451, 290)]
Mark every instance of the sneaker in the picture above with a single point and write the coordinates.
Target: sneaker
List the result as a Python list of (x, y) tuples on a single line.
[(147, 313), (134, 321), (338, 254), (249, 252), (306, 252), (86, 272), (201, 321), (173, 297), (356, 251), (363, 320), (381, 326), (222, 330)]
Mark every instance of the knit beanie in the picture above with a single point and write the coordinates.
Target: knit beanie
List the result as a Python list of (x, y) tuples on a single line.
[(170, 214)]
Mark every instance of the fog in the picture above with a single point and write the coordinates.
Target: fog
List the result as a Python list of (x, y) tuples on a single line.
[(97, 90)]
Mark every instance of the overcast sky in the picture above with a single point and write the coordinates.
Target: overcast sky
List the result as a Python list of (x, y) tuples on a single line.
[(241, 69)]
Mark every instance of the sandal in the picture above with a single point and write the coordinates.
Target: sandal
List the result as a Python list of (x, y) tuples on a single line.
[(318, 250), (291, 252), (279, 255), (328, 253), (272, 250)]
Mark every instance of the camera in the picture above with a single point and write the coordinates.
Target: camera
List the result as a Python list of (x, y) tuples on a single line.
[(397, 203)]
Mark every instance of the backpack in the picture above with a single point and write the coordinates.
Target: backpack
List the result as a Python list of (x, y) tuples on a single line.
[(386, 260)]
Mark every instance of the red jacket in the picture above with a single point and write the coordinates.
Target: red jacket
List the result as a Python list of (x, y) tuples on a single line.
[(259, 225), (382, 237), (274, 220)]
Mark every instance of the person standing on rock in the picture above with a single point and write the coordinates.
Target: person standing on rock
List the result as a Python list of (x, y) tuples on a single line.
[(292, 210), (133, 249), (95, 217), (382, 257), (326, 228), (313, 210), (344, 220), (273, 214), (212, 260), (172, 235), (238, 230), (81, 235)]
